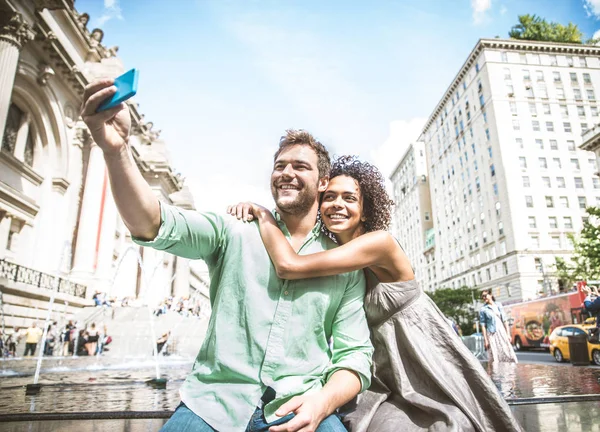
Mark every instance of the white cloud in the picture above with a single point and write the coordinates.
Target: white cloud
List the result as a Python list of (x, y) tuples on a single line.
[(596, 35), (592, 8), (402, 134), (480, 7), (112, 10), (503, 10)]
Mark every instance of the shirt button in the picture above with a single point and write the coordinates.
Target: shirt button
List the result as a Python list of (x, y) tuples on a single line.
[(285, 293)]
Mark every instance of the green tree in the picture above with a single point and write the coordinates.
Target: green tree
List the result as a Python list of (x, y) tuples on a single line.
[(533, 27), (585, 261), (457, 304)]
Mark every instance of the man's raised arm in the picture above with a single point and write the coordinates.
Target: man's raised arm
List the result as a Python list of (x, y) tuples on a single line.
[(137, 204)]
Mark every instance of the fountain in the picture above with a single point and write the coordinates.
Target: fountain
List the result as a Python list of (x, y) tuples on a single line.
[(34, 388), (157, 381)]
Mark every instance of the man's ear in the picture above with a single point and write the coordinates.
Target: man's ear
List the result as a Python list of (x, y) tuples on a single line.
[(323, 183)]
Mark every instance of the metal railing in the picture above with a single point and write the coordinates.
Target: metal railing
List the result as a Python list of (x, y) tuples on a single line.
[(28, 276), (475, 345)]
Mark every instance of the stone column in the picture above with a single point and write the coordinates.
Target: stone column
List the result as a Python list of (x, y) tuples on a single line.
[(84, 262), (14, 33)]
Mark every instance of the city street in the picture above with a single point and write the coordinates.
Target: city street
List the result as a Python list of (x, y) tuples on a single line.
[(543, 357)]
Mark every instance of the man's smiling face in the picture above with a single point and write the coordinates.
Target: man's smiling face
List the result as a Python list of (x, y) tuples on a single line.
[(295, 180)]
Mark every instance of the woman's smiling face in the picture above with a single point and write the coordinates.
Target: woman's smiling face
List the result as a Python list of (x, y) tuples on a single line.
[(342, 208)]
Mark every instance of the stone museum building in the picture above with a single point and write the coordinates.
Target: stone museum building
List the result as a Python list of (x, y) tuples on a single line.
[(59, 227)]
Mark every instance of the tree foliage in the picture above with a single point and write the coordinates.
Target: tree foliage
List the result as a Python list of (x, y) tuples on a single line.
[(457, 304), (585, 261), (533, 27)]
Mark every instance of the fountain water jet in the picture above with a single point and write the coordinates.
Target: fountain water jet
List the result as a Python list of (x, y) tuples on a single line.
[(35, 387)]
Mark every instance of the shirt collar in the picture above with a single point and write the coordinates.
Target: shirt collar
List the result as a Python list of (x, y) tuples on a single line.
[(314, 232)]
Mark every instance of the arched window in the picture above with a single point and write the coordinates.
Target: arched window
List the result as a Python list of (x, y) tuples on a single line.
[(13, 124), (19, 135)]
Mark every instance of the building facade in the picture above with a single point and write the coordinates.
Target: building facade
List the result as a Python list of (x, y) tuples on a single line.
[(508, 180), (57, 215), (412, 221)]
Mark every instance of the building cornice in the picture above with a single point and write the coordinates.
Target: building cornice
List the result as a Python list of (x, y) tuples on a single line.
[(60, 185), (22, 168), (60, 58), (506, 44), (591, 139), (158, 169), (18, 202)]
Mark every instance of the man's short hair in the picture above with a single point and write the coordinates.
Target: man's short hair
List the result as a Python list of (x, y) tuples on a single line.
[(301, 137)]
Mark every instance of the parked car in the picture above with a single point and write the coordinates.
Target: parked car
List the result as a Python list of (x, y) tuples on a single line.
[(559, 342)]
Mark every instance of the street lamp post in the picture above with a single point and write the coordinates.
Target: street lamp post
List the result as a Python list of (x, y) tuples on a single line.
[(544, 278)]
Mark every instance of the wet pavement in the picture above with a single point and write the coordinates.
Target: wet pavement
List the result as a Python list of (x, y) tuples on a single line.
[(541, 396)]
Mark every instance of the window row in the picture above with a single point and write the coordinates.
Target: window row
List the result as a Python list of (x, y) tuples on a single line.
[(547, 110), (552, 145), (557, 163), (536, 59), (586, 78), (541, 91), (535, 126), (560, 182), (563, 201), (556, 242), (567, 222)]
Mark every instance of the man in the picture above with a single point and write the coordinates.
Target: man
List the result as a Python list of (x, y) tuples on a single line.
[(265, 363), (32, 337), (592, 302)]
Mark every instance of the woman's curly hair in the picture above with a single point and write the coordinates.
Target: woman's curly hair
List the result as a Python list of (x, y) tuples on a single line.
[(377, 205)]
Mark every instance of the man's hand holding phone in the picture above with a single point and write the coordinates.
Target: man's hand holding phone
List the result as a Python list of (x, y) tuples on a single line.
[(110, 128), (106, 114)]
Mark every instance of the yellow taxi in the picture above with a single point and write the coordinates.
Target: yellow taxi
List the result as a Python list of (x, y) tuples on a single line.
[(559, 342)]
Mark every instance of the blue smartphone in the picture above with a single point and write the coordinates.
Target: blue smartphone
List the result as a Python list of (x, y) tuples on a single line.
[(126, 88)]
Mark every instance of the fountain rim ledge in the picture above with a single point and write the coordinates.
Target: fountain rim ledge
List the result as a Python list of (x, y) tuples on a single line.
[(122, 415)]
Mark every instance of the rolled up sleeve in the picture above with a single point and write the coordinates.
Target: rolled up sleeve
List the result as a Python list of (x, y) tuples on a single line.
[(482, 320), (352, 348), (187, 233)]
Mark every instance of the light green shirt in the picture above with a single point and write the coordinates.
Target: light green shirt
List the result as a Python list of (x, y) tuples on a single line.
[(263, 331)]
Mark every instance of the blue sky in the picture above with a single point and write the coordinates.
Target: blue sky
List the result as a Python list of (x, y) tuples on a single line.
[(223, 79)]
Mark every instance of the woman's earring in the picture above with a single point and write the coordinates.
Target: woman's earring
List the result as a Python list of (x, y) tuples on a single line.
[(363, 219)]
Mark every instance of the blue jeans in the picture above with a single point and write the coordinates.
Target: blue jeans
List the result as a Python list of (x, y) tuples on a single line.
[(183, 419)]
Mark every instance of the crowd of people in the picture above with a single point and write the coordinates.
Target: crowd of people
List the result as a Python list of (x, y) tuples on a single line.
[(70, 339), (185, 306), (100, 298)]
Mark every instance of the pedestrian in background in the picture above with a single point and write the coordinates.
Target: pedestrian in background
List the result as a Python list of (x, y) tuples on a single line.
[(592, 304), (32, 337), (496, 334), (92, 339)]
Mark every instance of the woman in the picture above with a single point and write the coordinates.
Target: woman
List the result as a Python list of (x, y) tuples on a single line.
[(92, 340), (424, 377), (496, 334)]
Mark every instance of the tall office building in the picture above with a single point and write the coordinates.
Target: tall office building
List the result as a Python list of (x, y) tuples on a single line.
[(412, 221), (507, 179)]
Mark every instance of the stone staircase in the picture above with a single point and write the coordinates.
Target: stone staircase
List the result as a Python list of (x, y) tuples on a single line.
[(130, 330)]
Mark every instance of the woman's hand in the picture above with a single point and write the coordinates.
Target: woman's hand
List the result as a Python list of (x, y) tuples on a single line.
[(247, 211)]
